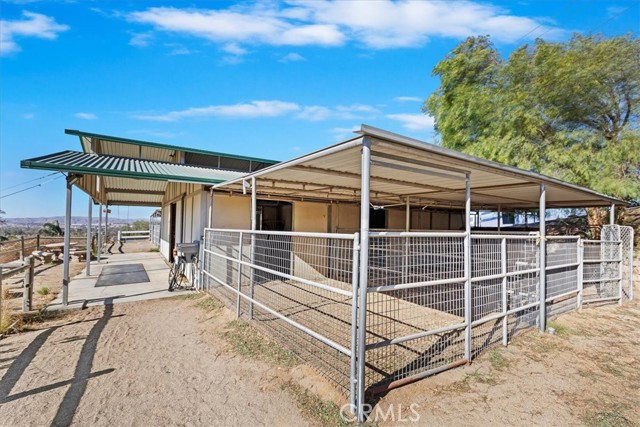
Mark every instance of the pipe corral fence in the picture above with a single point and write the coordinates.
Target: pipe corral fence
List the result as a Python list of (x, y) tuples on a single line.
[(426, 306)]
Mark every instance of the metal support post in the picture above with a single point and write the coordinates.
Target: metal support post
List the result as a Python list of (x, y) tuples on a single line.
[(239, 284), (365, 175), (620, 271), (354, 322), (67, 243), (580, 274), (505, 300), (612, 214), (254, 225), (467, 270), (100, 233), (88, 254), (543, 259), (631, 267), (106, 225)]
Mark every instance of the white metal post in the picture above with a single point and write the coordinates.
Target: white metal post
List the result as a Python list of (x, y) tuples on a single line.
[(543, 259), (580, 273), (620, 271), (505, 301), (254, 225), (612, 214), (100, 233), (365, 175), (89, 219), (407, 227), (210, 219), (106, 224), (467, 269), (631, 266), (353, 378), (67, 243), (239, 284), (499, 217)]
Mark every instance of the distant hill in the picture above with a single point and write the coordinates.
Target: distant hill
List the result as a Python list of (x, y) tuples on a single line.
[(75, 220)]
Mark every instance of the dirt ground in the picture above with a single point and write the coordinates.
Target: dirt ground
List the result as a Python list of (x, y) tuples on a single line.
[(169, 362), (586, 374), (153, 363)]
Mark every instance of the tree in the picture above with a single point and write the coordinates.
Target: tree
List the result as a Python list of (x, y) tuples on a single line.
[(51, 229), (140, 225), (568, 110)]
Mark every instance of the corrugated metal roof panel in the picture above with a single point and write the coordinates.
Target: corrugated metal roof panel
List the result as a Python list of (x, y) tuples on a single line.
[(428, 174), (84, 163)]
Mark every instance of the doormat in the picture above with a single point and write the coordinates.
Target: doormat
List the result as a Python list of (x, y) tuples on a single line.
[(122, 275)]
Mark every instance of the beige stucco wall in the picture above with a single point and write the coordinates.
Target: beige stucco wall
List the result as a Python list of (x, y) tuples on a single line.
[(233, 212), (310, 217)]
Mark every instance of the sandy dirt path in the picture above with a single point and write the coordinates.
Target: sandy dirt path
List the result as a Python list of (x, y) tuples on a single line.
[(153, 363)]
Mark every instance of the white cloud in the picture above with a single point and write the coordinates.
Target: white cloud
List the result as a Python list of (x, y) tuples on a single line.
[(86, 116), (344, 133), (33, 25), (292, 57), (614, 11), (253, 109), (234, 49), (379, 24), (341, 112), (140, 39), (413, 121), (407, 99), (271, 108), (28, 116)]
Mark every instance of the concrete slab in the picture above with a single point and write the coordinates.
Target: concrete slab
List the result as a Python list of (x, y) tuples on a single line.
[(84, 293), (122, 274)]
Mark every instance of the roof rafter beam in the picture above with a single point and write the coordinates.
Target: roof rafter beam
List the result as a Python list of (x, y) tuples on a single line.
[(127, 191), (373, 178)]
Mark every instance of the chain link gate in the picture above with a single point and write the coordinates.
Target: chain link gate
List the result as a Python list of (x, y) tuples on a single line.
[(624, 234)]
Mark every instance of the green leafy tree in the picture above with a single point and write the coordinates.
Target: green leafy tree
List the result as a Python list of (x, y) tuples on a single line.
[(51, 229), (568, 110), (140, 225)]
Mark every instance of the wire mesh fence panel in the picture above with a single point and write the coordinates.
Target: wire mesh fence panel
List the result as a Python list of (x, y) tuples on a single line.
[(601, 270), (562, 266), (415, 304), (291, 285), (505, 278), (625, 235)]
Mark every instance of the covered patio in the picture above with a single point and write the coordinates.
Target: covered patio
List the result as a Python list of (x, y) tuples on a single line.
[(118, 278)]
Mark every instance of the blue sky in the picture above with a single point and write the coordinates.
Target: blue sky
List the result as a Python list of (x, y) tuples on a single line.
[(264, 79)]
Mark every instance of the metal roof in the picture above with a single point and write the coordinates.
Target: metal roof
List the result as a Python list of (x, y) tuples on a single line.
[(126, 181), (427, 174), (117, 146)]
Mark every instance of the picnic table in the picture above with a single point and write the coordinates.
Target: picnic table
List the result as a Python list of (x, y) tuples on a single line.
[(58, 248)]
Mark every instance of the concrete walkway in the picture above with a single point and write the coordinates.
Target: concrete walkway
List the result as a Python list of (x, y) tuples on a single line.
[(83, 291)]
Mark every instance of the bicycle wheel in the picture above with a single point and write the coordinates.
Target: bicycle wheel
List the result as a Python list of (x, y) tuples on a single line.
[(174, 275)]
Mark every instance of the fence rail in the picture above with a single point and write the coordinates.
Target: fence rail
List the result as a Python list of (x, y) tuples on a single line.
[(304, 289)]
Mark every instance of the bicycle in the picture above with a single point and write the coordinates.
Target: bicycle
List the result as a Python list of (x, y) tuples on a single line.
[(177, 274)]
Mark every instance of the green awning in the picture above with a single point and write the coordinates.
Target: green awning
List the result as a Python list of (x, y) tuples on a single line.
[(91, 164)]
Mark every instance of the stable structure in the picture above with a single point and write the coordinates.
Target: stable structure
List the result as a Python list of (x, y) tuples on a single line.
[(362, 256), (116, 171), (336, 253)]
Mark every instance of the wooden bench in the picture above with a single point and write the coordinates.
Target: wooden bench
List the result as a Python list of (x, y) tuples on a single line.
[(80, 253), (44, 256)]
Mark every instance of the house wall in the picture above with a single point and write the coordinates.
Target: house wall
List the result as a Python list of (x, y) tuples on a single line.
[(190, 200), (310, 217), (232, 212)]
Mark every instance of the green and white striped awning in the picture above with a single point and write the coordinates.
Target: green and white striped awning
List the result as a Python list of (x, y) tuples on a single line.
[(126, 181)]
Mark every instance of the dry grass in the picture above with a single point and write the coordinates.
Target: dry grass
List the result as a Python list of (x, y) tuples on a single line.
[(247, 341), (323, 412)]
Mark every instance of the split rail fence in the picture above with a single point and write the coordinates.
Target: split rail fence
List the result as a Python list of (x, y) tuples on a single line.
[(426, 306)]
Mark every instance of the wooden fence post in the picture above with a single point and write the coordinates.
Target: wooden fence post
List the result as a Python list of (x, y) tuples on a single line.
[(22, 248), (27, 292), (38, 242)]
